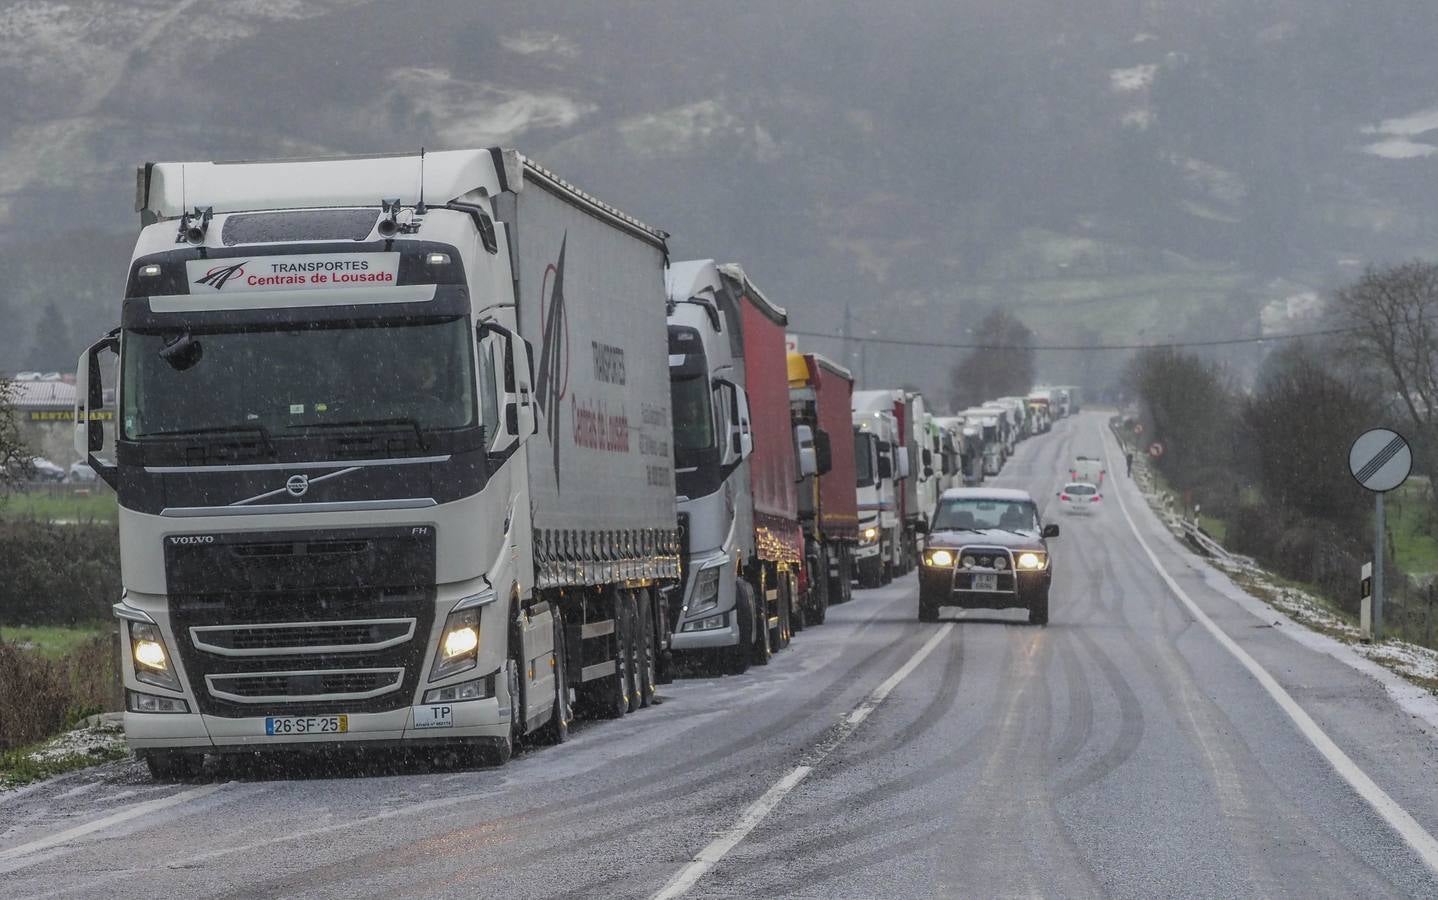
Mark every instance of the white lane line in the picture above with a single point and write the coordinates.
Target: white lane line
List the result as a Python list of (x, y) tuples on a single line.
[(1396, 816), (83, 829), (717, 849)]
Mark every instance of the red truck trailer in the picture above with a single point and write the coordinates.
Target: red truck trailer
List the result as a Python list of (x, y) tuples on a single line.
[(821, 396)]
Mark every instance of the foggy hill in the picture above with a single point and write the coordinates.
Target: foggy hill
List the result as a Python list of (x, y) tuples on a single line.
[(1136, 169)]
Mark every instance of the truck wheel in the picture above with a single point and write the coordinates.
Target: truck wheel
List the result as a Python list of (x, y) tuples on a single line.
[(556, 730), (174, 765), (648, 651), (846, 567), (1039, 608), (886, 574), (871, 572), (779, 635), (605, 697), (817, 609), (631, 650), (763, 650), (735, 660)]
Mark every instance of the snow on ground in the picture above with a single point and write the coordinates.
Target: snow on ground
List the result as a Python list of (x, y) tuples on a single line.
[(99, 739), (1413, 662), (1400, 148)]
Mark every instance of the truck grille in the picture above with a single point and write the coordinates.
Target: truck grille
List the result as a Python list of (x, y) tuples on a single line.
[(332, 684), (305, 623)]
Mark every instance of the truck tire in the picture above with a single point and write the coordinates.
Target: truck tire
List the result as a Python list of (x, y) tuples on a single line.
[(647, 646), (817, 609), (556, 730), (928, 612), (174, 765), (886, 574), (632, 651), (846, 569), (871, 572), (762, 650), (735, 660), (1039, 607), (605, 698), (779, 635)]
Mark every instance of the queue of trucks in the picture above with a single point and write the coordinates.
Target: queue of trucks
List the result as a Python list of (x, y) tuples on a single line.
[(437, 450)]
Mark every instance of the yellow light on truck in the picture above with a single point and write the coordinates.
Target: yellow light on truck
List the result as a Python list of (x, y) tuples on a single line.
[(151, 654), (941, 558), (871, 534), (1030, 561), (460, 641)]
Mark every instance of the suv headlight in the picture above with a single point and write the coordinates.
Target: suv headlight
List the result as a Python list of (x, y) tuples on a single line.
[(1029, 561), (706, 590), (939, 558), (458, 644), (151, 659)]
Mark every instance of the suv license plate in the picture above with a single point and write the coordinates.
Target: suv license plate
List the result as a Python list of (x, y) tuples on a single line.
[(282, 725), (986, 582)]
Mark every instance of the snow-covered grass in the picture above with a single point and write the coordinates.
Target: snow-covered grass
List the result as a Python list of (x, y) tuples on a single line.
[(101, 740)]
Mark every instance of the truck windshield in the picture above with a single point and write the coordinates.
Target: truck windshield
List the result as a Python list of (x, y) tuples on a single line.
[(864, 458), (296, 382), (693, 418)]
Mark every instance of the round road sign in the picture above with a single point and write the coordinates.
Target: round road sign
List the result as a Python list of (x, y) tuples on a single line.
[(1155, 449), (1138, 428), (1380, 459)]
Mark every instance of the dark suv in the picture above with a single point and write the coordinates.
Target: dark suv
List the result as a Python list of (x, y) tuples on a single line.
[(986, 549)]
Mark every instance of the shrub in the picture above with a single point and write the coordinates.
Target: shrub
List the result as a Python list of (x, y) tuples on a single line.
[(39, 696), (58, 574)]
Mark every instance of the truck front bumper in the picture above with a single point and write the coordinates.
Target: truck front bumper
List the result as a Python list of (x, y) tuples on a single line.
[(727, 634), (217, 734)]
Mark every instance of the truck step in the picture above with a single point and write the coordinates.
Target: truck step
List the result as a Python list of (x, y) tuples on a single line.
[(599, 670)]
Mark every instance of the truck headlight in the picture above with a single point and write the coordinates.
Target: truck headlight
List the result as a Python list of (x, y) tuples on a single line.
[(871, 534), (152, 661), (706, 590), (458, 644), (939, 558), (1030, 561)]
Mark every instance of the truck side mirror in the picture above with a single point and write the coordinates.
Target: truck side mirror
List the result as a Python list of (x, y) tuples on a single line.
[(823, 452), (921, 527), (903, 459), (514, 386), (808, 458), (89, 424), (1051, 531), (886, 468), (746, 431)]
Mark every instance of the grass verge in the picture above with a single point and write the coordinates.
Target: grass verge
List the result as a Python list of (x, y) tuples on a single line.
[(45, 505), (52, 641), (67, 752)]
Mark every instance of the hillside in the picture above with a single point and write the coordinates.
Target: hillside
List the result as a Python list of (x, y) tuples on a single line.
[(1137, 170)]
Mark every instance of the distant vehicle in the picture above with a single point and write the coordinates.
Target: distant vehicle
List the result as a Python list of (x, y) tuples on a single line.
[(986, 549), (44, 470), (1088, 469), (81, 472), (1080, 497)]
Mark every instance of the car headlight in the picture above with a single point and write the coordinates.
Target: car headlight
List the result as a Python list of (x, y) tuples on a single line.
[(458, 644), (706, 590), (152, 660), (968, 562), (1030, 561), (1000, 563), (939, 558)]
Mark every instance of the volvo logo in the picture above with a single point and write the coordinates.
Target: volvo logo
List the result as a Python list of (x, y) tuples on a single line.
[(297, 485), (192, 539)]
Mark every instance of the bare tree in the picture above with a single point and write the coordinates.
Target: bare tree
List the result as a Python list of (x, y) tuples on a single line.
[(1394, 314), (14, 454), (1003, 367)]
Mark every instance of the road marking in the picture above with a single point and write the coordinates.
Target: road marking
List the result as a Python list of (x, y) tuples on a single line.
[(124, 815), (718, 848), (1396, 816)]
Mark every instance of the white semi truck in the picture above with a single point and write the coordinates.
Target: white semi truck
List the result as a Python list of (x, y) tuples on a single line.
[(392, 457), (882, 464)]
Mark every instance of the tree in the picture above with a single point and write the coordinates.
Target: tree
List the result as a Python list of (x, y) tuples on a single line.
[(1393, 312), (14, 454), (1002, 368), (1188, 407), (53, 349)]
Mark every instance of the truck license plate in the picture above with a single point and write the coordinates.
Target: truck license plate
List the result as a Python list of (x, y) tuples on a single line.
[(282, 725), (986, 582)]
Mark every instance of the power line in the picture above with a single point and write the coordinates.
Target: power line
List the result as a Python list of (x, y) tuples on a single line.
[(950, 345)]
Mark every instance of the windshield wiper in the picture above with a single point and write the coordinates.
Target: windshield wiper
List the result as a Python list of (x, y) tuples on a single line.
[(257, 429), (401, 421)]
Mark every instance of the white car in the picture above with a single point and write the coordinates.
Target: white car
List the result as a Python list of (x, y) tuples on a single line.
[(81, 472), (1081, 497), (44, 470)]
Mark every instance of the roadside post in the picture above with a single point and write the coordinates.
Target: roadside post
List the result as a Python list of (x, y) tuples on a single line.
[(1365, 603), (1379, 460)]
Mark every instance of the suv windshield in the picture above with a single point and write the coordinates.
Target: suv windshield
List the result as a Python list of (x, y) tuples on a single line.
[(981, 512), (289, 383)]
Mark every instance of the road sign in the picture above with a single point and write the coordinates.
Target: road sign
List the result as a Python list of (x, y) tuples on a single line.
[(1138, 428), (1155, 449), (1380, 459)]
